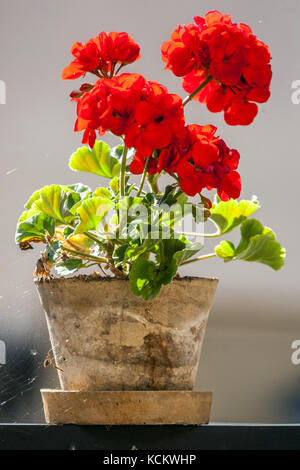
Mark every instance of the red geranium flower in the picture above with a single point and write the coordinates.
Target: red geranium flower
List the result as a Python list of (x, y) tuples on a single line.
[(144, 112), (118, 48), (100, 55), (87, 59), (158, 118), (209, 163), (181, 52), (137, 165), (228, 54), (110, 105), (200, 159)]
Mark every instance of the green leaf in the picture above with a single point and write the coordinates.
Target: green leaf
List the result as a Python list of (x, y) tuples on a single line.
[(117, 152), (81, 189), (166, 275), (168, 197), (98, 160), (119, 254), (249, 229), (79, 192), (91, 212), (146, 280), (34, 197), (126, 202), (115, 184), (73, 200), (228, 215), (143, 279), (70, 266), (258, 243), (172, 196), (53, 252), (225, 250), (68, 232), (168, 247), (35, 228), (27, 214), (103, 192), (135, 251), (189, 251), (133, 216), (55, 202), (264, 249)]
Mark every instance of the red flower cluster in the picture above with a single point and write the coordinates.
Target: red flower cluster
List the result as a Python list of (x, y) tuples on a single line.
[(101, 54), (143, 111), (234, 60), (151, 120), (158, 118), (201, 160)]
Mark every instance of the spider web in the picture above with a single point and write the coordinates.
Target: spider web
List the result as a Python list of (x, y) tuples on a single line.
[(23, 374)]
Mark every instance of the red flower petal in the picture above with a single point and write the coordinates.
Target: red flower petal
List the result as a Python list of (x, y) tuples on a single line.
[(204, 154), (230, 186), (240, 113)]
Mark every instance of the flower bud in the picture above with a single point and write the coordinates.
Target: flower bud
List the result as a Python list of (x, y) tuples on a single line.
[(76, 94), (85, 87)]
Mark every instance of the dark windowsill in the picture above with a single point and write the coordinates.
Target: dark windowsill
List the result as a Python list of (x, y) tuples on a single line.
[(206, 437)]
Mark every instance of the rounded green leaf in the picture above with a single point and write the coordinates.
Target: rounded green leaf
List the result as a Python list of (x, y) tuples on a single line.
[(91, 212), (98, 160), (34, 197), (228, 215), (225, 250), (102, 192), (35, 228), (54, 201), (258, 243), (70, 266)]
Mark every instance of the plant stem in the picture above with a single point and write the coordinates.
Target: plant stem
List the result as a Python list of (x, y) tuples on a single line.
[(112, 70), (152, 180), (95, 72), (143, 177), (118, 69), (89, 265), (86, 255), (202, 235), (123, 169), (210, 255), (175, 177), (137, 189), (93, 237), (200, 87)]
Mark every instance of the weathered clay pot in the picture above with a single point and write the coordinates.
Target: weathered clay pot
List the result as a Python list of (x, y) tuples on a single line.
[(105, 338)]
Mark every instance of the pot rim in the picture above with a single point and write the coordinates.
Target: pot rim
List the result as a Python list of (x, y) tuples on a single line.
[(93, 278)]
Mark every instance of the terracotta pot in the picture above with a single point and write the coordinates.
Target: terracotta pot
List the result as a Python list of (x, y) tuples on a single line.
[(105, 338)]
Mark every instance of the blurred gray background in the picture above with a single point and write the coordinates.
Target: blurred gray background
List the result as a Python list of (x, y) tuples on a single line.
[(246, 357)]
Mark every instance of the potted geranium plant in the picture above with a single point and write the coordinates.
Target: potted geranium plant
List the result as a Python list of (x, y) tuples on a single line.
[(134, 324)]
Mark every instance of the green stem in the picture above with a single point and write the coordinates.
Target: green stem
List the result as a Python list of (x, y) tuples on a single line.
[(143, 177), (93, 237), (200, 87), (89, 265), (152, 180), (137, 189), (202, 235), (85, 255), (210, 255), (123, 169)]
